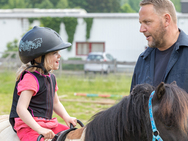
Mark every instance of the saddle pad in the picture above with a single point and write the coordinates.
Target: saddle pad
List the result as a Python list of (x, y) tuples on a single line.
[(6, 131)]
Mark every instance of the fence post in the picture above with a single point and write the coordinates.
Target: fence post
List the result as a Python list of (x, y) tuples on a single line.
[(115, 66), (60, 66)]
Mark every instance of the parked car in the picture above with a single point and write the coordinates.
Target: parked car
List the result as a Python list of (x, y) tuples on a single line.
[(99, 57)]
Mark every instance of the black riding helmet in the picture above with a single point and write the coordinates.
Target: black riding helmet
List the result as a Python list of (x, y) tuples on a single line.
[(38, 42)]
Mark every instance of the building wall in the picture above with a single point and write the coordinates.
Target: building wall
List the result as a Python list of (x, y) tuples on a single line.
[(183, 22), (10, 29), (119, 33), (121, 36)]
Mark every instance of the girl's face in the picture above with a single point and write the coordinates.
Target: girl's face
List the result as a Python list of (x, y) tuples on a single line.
[(52, 60)]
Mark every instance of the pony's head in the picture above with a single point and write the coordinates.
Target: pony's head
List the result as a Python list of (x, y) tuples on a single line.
[(170, 110), (129, 119)]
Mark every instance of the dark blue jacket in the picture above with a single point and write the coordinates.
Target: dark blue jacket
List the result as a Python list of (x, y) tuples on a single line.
[(177, 68)]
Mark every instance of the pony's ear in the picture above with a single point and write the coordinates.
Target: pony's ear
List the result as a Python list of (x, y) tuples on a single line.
[(160, 91), (174, 83)]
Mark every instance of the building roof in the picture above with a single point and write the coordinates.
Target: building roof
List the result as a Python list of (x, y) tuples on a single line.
[(78, 13), (184, 0), (35, 13)]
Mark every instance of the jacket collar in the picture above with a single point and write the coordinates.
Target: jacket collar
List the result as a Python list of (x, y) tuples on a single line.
[(181, 42)]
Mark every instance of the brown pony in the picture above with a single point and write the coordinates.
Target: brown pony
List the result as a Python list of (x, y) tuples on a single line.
[(129, 119)]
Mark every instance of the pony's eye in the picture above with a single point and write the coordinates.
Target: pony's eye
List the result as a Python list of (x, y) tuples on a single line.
[(168, 123)]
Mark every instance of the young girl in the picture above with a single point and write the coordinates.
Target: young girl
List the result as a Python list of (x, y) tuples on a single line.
[(35, 95)]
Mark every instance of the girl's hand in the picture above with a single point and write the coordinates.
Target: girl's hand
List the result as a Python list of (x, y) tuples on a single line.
[(47, 133), (72, 120)]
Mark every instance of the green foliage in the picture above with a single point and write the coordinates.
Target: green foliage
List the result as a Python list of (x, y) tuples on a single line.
[(32, 3), (89, 23), (54, 2), (32, 19), (70, 27), (126, 8), (122, 2), (77, 4), (177, 5), (3, 2), (53, 23), (11, 46), (62, 4), (134, 4), (15, 4), (45, 4), (102, 6)]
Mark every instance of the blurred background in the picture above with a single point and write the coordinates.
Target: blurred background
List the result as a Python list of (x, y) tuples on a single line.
[(107, 26), (106, 43)]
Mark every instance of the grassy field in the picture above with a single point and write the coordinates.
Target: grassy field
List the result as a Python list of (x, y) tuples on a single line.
[(77, 106)]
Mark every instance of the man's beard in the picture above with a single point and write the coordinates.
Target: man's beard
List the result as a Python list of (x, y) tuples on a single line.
[(158, 38)]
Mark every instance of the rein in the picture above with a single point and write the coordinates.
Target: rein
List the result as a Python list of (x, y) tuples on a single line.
[(156, 136)]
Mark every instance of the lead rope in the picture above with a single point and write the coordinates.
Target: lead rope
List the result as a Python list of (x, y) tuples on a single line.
[(156, 136)]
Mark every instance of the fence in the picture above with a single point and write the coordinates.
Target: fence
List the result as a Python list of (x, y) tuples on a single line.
[(122, 64), (10, 60)]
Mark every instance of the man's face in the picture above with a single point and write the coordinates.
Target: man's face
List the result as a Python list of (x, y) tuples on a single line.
[(152, 26)]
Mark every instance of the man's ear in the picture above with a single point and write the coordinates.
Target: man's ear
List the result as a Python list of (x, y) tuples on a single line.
[(167, 19), (160, 91)]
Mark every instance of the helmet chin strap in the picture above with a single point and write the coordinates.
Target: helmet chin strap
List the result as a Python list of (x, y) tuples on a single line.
[(39, 65)]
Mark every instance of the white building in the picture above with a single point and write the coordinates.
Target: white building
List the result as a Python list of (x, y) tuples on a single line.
[(115, 33)]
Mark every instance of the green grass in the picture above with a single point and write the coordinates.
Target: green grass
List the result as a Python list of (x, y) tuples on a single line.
[(70, 84)]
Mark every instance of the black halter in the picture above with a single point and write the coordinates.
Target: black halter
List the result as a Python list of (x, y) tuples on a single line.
[(156, 136)]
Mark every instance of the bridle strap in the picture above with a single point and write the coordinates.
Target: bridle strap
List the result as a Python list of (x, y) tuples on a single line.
[(155, 132), (39, 65)]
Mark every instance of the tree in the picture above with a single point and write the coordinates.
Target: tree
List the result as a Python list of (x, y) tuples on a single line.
[(53, 23), (3, 3), (134, 4), (102, 6), (126, 8), (46, 4), (77, 4), (11, 46), (32, 3), (122, 2), (62, 4), (177, 4), (54, 2), (15, 4)]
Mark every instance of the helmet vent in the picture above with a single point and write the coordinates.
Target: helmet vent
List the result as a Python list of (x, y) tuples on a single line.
[(56, 34)]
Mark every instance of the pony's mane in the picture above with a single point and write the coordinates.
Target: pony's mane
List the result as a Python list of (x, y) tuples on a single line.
[(129, 119), (123, 120), (176, 109)]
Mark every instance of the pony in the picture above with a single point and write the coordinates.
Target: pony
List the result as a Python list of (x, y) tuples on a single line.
[(129, 120)]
